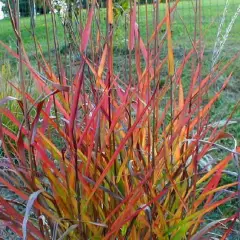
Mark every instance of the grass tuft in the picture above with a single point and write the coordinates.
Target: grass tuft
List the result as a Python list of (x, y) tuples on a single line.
[(103, 154)]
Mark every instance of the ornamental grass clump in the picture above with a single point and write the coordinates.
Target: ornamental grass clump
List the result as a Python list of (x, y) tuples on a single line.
[(104, 155)]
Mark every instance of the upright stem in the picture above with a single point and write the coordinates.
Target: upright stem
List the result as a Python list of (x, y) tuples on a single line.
[(130, 83), (32, 7), (23, 88), (110, 79), (156, 20), (46, 27)]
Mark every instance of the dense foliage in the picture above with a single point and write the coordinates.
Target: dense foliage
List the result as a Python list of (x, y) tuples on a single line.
[(101, 154)]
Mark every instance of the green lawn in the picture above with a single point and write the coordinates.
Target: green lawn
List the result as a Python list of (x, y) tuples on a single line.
[(211, 11), (7, 34)]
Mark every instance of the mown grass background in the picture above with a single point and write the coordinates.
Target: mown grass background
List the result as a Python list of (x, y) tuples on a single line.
[(211, 12)]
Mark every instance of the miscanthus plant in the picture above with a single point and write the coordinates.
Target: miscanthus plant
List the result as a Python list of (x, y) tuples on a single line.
[(103, 155)]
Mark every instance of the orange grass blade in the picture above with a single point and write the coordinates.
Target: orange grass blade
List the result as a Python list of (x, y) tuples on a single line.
[(87, 30)]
